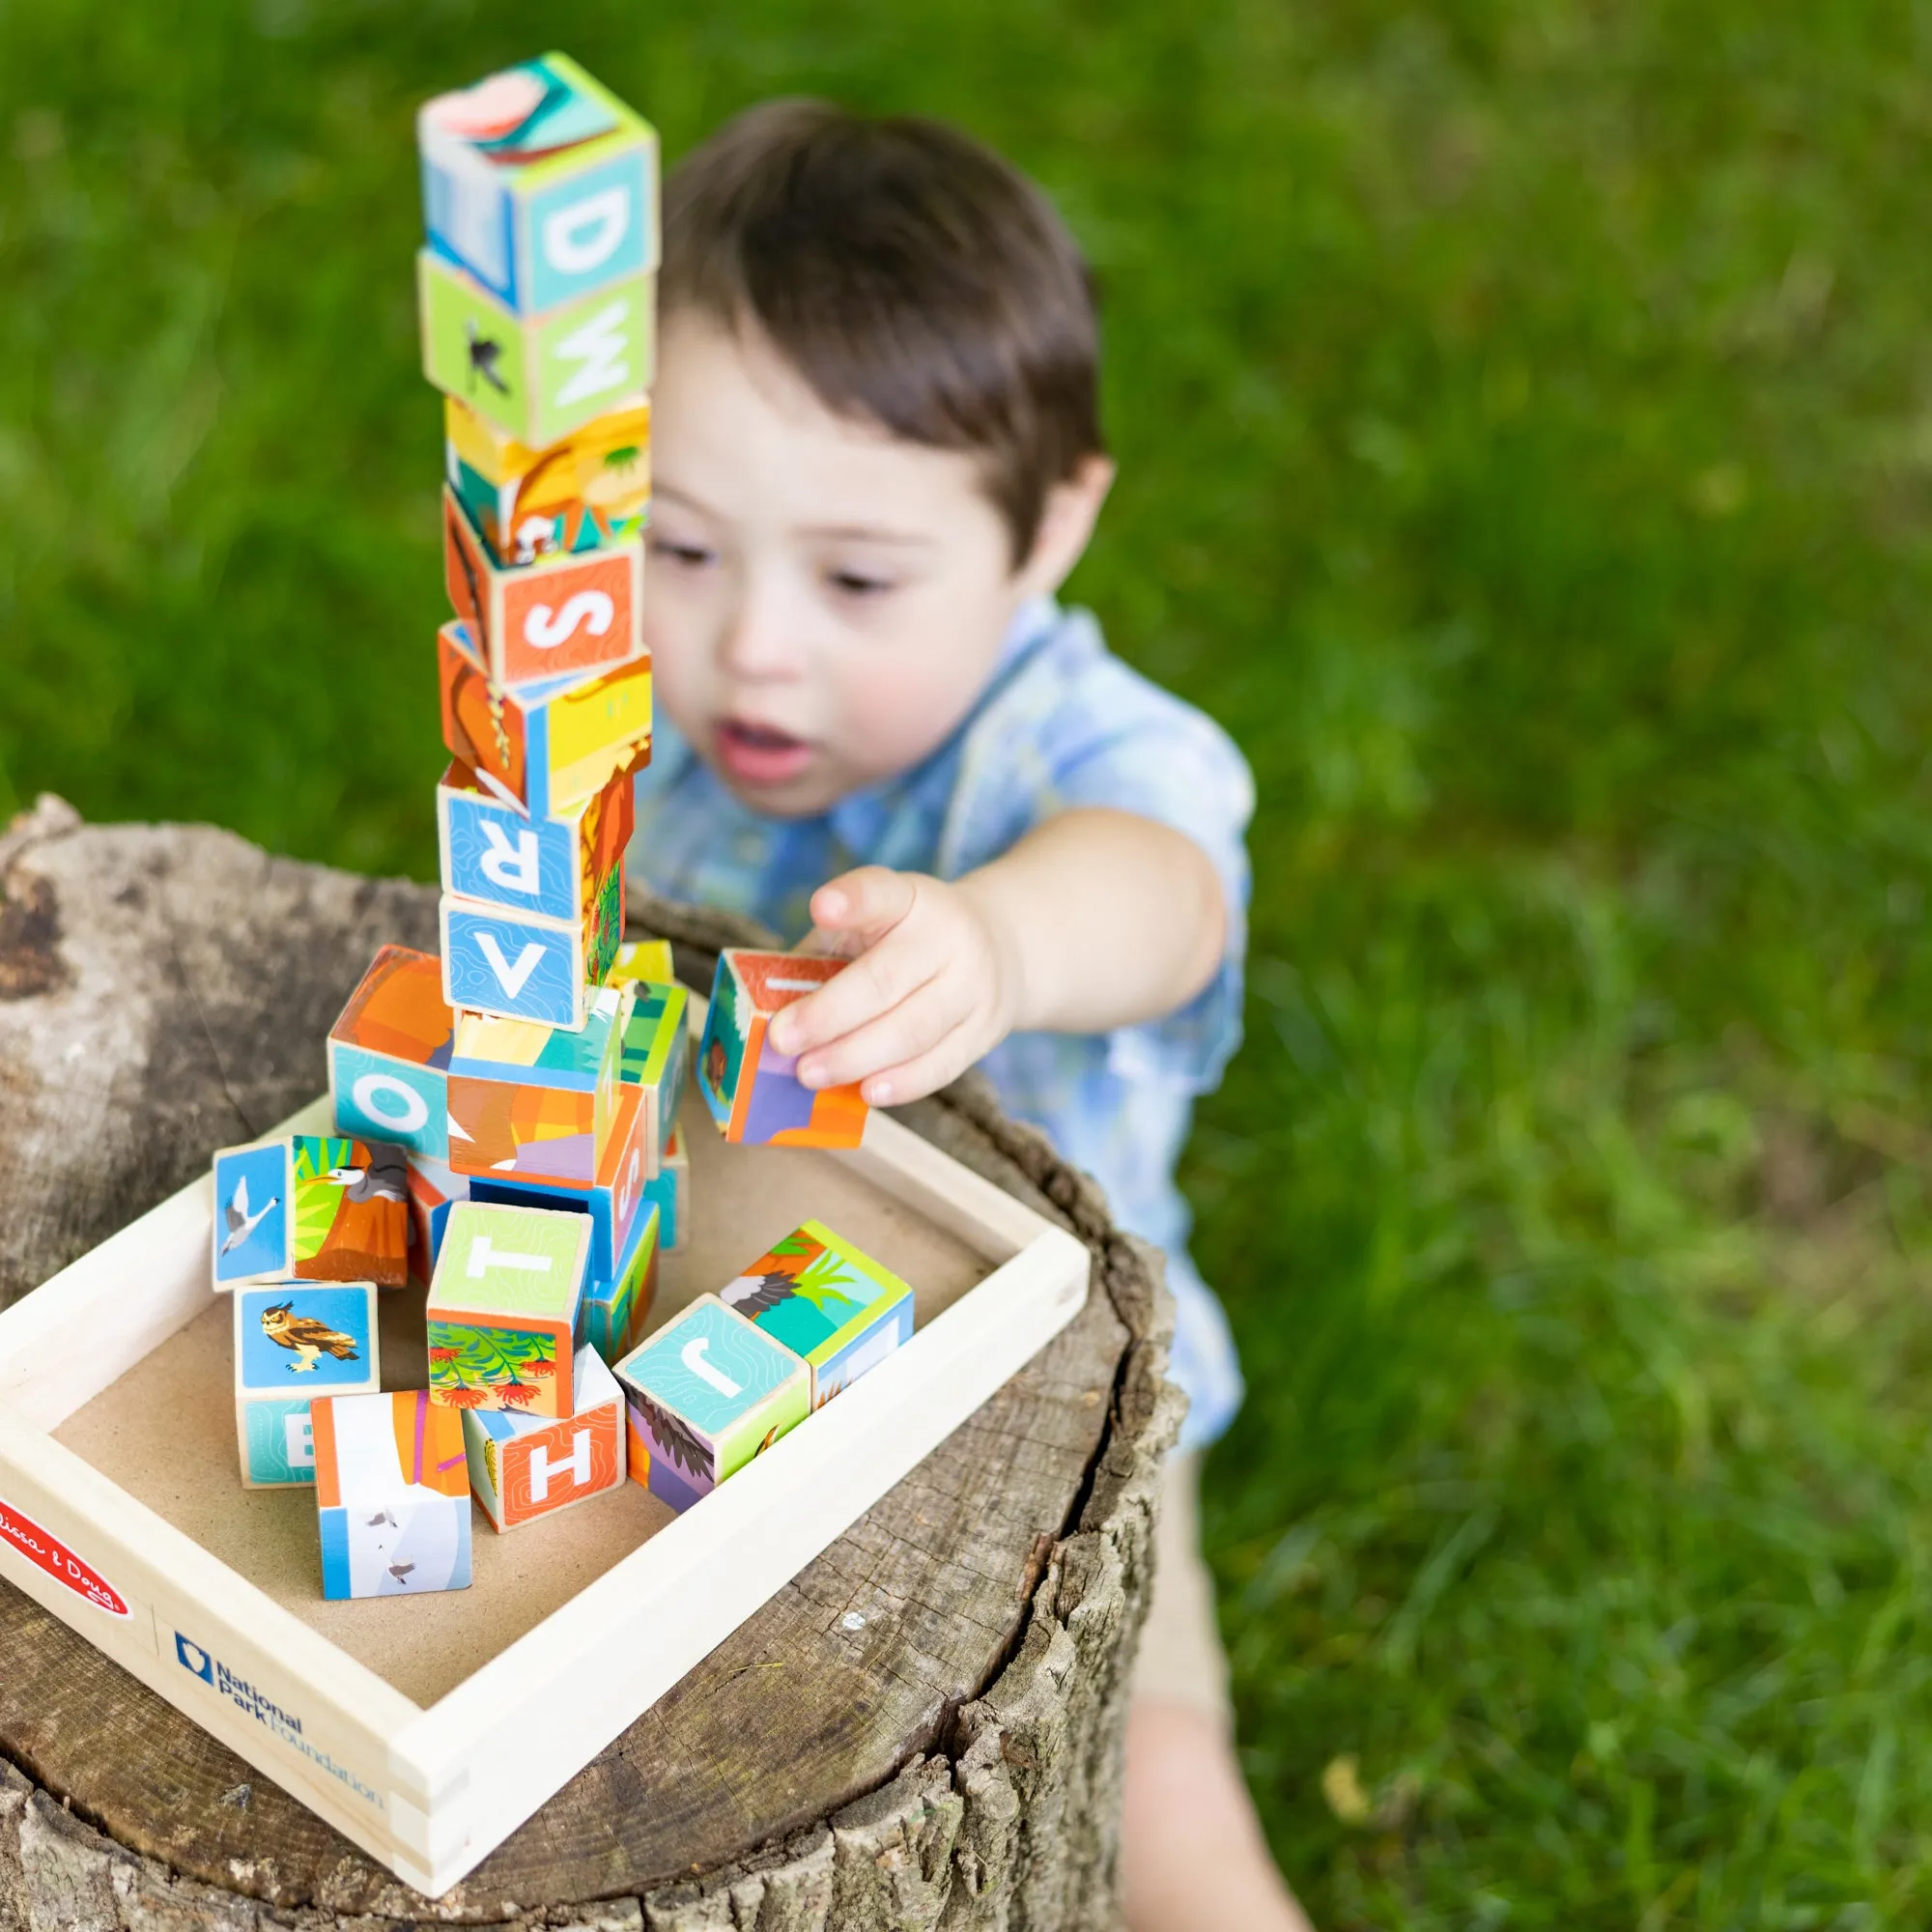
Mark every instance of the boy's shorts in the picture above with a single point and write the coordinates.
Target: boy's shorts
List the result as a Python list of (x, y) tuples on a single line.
[(1181, 1661)]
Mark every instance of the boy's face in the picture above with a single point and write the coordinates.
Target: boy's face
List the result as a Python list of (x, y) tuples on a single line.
[(823, 602)]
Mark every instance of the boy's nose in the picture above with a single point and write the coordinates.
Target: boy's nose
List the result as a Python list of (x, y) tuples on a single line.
[(761, 635)]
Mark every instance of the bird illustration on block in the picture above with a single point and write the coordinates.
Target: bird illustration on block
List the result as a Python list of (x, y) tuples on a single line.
[(305, 1337), (239, 1222), (381, 1179), (485, 352)]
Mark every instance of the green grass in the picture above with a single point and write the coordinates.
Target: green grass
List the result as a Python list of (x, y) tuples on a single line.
[(1526, 415)]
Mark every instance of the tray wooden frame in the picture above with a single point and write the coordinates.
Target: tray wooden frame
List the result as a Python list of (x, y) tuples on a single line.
[(404, 1781)]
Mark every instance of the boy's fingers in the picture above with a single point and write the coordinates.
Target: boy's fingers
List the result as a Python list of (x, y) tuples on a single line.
[(899, 1035), (875, 983), (925, 1073), (870, 896)]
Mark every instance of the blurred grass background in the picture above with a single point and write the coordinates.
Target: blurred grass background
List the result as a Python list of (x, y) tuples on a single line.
[(1525, 418)]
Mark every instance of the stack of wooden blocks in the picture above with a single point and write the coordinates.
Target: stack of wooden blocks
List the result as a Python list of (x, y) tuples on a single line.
[(507, 1113)]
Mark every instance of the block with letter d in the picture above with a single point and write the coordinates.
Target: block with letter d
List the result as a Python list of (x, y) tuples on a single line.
[(495, 854), (393, 1494), (293, 1340), (526, 1466), (542, 746), (503, 1309), (559, 617), (753, 1091), (588, 492), (540, 182), (536, 1103), (388, 1054), (708, 1392)]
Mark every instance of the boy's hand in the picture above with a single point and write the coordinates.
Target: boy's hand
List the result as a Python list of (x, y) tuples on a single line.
[(933, 984)]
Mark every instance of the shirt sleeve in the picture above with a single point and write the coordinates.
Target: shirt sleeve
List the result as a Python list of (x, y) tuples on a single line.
[(1076, 726)]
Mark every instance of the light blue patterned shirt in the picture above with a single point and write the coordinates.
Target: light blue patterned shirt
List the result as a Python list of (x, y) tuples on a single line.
[(1061, 722)]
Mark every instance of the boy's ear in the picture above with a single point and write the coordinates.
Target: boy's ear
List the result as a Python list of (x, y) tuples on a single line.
[(1065, 524)]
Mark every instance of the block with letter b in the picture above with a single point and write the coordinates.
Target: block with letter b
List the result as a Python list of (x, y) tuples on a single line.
[(312, 1208), (543, 746), (503, 1309), (533, 622), (526, 1467), (753, 1091), (540, 182), (293, 1340), (393, 1494), (589, 492), (538, 378), (708, 1392), (388, 1054)]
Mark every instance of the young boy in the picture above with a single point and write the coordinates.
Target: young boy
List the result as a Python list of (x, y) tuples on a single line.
[(876, 454)]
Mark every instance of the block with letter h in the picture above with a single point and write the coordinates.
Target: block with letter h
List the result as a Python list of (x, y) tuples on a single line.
[(392, 1495), (591, 490), (561, 617), (388, 1054), (310, 1208), (533, 908), (536, 1103), (295, 1341), (753, 1091), (542, 746), (706, 1393), (502, 1308), (526, 1466)]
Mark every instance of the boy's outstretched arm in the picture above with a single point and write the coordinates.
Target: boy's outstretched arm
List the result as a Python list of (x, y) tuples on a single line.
[(1096, 918)]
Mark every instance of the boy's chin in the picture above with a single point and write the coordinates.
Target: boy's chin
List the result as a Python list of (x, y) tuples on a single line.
[(803, 795)]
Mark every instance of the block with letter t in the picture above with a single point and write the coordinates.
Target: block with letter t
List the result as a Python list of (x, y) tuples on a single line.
[(588, 491), (539, 183), (502, 1308), (526, 1466), (293, 1340), (388, 1054), (753, 1091), (543, 746), (392, 1493), (707, 1392), (563, 616)]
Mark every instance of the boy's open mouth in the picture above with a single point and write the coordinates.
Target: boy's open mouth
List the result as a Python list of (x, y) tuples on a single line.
[(760, 754)]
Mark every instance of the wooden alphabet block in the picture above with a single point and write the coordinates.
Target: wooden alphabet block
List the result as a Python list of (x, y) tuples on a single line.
[(517, 967), (434, 1187), (668, 1191), (612, 1200), (657, 1050), (388, 1054), (538, 378), (643, 959), (540, 182), (495, 853), (544, 746), (502, 1308), (827, 1303), (616, 1310), (530, 1102), (393, 1494), (293, 1340), (754, 1092), (313, 1207), (590, 491), (708, 1392), (564, 616), (526, 1466)]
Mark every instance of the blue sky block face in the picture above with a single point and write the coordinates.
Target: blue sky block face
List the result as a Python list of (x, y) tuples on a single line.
[(251, 1212), (590, 228), (496, 964), (710, 1367), (497, 856), (306, 1338), (388, 1099)]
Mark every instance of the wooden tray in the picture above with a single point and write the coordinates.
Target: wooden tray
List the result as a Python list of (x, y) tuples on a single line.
[(426, 1730)]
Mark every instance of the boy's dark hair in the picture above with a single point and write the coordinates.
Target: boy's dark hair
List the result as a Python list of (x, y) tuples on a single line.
[(909, 274)]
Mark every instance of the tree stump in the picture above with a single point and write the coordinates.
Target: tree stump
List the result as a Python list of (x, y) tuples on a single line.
[(923, 1730)]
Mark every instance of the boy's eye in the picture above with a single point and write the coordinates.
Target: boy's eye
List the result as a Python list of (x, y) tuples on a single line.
[(857, 583), (693, 556)]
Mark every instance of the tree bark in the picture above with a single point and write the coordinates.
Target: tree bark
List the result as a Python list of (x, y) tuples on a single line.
[(955, 1764)]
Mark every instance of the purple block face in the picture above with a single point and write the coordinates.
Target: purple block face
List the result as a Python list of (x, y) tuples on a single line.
[(778, 1100), (671, 1481)]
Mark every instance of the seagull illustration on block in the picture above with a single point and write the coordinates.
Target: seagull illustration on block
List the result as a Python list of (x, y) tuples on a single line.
[(241, 1224), (305, 1337)]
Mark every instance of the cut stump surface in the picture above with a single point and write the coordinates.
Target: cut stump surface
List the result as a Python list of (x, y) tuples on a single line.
[(922, 1730)]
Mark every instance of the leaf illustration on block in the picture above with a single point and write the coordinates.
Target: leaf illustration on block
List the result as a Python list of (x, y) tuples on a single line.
[(490, 1461), (822, 1283), (676, 1438)]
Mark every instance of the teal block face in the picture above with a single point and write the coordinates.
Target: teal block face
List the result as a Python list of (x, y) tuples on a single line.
[(381, 1098), (278, 1447), (709, 1365)]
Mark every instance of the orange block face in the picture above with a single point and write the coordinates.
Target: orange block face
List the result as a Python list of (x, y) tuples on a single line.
[(523, 1466), (555, 619)]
